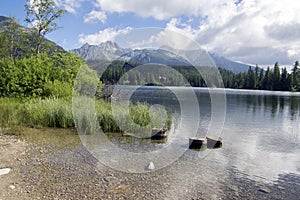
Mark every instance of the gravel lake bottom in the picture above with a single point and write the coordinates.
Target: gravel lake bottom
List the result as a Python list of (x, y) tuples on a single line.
[(56, 165)]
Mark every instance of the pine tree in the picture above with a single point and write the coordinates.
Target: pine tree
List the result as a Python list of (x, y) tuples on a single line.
[(296, 76), (276, 77)]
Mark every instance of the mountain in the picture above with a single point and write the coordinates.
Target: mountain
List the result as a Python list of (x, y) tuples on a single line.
[(225, 63), (105, 51), (4, 21), (111, 51), (155, 56), (23, 37)]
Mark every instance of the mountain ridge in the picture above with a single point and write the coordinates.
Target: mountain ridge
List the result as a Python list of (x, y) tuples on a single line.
[(112, 51), (27, 34)]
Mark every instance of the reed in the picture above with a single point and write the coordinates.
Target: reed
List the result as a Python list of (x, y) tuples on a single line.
[(88, 115)]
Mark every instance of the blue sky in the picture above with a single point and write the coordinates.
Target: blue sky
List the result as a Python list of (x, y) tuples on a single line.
[(250, 31)]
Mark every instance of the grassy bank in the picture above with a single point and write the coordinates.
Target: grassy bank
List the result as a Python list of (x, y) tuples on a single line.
[(55, 112)]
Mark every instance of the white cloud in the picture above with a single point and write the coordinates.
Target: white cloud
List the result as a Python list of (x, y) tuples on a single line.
[(69, 5), (248, 30), (108, 34), (152, 8), (94, 16)]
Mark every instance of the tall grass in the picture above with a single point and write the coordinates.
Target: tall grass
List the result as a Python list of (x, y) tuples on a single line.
[(9, 114), (52, 112), (88, 118)]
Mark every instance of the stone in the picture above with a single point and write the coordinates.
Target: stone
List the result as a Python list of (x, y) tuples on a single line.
[(4, 171), (264, 190), (110, 180), (214, 141), (12, 187), (197, 143), (151, 166)]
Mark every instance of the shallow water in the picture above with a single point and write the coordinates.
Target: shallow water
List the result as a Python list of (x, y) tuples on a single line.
[(261, 140), (261, 147)]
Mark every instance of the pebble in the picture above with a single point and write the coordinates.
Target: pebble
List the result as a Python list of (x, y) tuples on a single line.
[(151, 166), (12, 187), (4, 171), (110, 180), (264, 190)]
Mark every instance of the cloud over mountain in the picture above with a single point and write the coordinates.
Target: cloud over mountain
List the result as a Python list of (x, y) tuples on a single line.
[(226, 26)]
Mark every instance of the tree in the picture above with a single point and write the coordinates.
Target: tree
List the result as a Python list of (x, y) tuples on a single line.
[(276, 77), (42, 14), (285, 82), (295, 76), (4, 50), (250, 82), (266, 82)]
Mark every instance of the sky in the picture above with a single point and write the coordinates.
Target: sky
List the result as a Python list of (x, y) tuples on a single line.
[(249, 31)]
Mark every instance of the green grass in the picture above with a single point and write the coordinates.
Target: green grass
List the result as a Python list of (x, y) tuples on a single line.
[(88, 115)]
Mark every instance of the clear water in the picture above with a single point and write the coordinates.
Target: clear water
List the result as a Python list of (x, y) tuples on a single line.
[(261, 148)]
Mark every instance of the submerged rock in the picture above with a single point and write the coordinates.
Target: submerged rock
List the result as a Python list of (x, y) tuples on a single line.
[(264, 190), (4, 171), (151, 166)]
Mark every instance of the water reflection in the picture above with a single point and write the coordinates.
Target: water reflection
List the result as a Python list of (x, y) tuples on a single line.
[(260, 134), (260, 144), (271, 104)]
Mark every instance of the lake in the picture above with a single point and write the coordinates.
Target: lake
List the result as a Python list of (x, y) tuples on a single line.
[(261, 143), (259, 158)]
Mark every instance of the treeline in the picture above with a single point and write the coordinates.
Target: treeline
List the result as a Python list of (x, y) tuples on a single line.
[(272, 79), (255, 78)]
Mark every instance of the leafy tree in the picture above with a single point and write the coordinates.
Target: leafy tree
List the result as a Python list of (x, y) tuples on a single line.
[(42, 15), (4, 51)]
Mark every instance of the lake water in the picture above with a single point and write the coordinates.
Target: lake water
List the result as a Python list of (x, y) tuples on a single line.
[(261, 144), (259, 158)]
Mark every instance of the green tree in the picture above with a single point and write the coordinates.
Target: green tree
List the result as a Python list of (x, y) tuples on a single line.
[(4, 51), (285, 82), (266, 82), (276, 77), (42, 15), (250, 82), (296, 76)]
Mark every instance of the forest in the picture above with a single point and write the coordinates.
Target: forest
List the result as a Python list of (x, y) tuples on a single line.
[(255, 78)]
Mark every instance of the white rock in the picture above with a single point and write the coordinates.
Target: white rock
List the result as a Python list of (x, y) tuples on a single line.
[(12, 187), (151, 166), (4, 171)]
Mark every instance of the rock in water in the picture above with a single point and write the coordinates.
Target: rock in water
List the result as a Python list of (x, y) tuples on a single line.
[(151, 166), (264, 190), (4, 171), (12, 187)]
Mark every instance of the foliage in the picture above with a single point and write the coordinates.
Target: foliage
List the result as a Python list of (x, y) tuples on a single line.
[(40, 75), (15, 40), (41, 14)]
